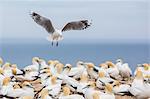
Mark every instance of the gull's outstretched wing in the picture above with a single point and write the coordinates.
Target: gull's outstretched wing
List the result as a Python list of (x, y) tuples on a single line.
[(44, 22), (76, 25)]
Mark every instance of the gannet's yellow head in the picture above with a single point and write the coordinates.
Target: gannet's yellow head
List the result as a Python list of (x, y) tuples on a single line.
[(116, 82), (16, 86), (90, 65), (139, 74), (1, 71), (6, 81), (14, 65), (103, 65), (44, 93), (66, 91), (96, 95), (6, 65), (108, 88), (14, 71), (59, 67), (110, 64), (56, 62), (101, 74), (146, 66), (1, 61), (35, 59), (50, 62), (84, 78), (92, 84), (53, 79), (27, 84)]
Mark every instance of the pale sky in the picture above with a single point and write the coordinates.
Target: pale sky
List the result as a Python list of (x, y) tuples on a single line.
[(112, 20)]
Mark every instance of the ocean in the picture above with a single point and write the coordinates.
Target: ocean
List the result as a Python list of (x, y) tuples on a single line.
[(21, 54)]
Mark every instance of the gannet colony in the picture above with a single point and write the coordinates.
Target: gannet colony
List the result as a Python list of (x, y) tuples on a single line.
[(55, 80)]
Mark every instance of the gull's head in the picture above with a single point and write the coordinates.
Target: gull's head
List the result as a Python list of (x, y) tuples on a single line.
[(1, 71), (1, 61), (6, 81), (103, 65), (101, 74), (66, 91)]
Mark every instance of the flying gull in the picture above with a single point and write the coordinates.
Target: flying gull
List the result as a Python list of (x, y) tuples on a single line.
[(55, 35)]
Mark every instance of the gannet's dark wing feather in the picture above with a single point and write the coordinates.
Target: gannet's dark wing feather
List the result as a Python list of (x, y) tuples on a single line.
[(76, 25), (44, 22)]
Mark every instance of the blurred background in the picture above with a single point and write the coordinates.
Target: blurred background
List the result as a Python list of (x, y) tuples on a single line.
[(120, 29)]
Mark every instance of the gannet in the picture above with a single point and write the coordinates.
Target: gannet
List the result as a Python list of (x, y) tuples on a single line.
[(66, 94), (76, 72), (92, 71), (66, 69), (44, 94), (113, 70), (124, 69), (52, 65), (34, 66), (7, 69), (138, 88), (102, 80), (55, 35), (54, 86), (121, 89)]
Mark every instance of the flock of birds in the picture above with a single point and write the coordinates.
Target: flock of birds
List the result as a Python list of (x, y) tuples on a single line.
[(54, 80)]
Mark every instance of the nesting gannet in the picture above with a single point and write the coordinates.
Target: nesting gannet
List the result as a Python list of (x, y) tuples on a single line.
[(66, 94), (44, 94), (138, 88), (92, 70), (83, 82), (15, 70), (102, 80), (66, 69), (34, 66), (121, 89), (52, 65), (55, 35), (54, 86), (113, 70), (59, 68), (90, 90), (43, 64), (124, 69), (7, 69), (76, 72)]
